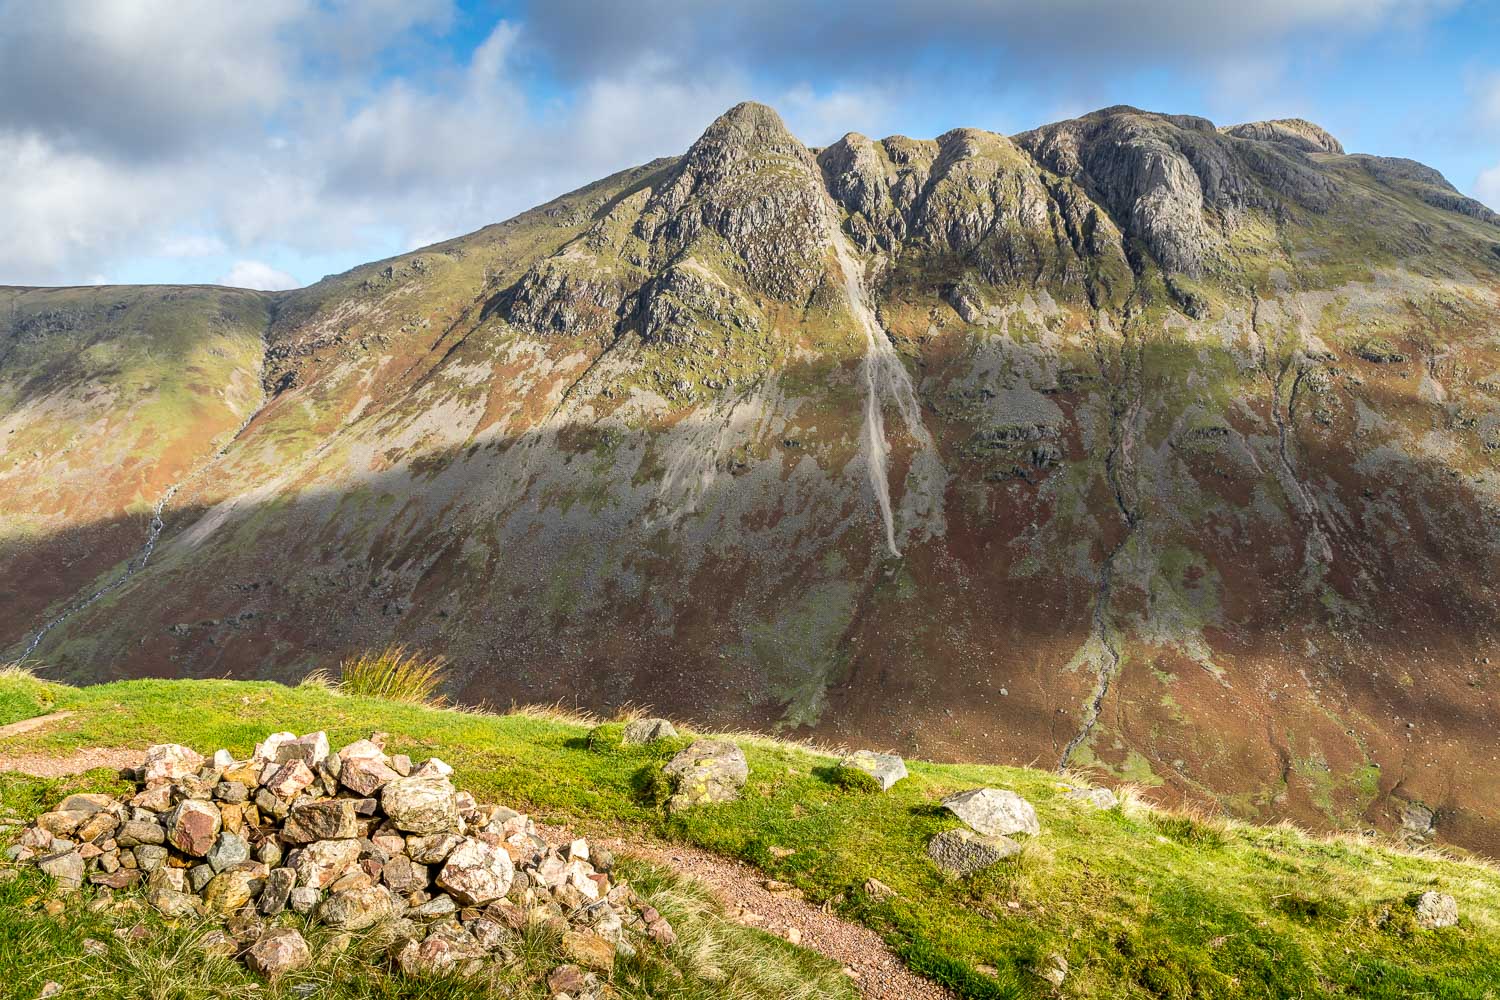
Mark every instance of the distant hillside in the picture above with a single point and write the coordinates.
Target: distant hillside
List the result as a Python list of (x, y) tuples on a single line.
[(1127, 443)]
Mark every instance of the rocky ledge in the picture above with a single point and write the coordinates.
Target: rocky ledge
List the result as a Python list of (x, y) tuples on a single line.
[(356, 839)]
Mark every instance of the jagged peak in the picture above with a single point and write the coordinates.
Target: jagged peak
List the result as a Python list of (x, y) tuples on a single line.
[(746, 126), (1299, 133)]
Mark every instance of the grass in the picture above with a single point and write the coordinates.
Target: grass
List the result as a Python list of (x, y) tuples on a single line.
[(394, 675), (23, 696), (1142, 903)]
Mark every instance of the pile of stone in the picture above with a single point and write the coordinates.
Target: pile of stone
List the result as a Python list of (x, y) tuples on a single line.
[(357, 840)]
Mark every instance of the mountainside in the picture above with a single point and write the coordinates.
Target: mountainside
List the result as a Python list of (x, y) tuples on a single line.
[(1127, 442)]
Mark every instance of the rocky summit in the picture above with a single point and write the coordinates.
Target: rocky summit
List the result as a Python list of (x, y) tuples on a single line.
[(1130, 442)]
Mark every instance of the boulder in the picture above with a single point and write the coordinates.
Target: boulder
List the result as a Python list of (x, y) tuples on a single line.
[(707, 771), (885, 768), (172, 904), (289, 780), (995, 812), (332, 819), (476, 873), (136, 832), (232, 888), (589, 950), (1435, 910), (421, 804), (357, 909), (365, 772), (86, 804), (278, 952), (169, 762), (643, 731), (193, 827), (963, 852)]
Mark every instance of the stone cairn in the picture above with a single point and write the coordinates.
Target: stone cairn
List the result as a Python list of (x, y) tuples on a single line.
[(354, 839)]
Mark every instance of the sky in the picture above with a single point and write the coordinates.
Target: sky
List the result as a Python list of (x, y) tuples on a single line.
[(267, 144)]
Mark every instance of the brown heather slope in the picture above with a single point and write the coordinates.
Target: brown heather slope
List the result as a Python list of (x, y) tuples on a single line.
[(1168, 450)]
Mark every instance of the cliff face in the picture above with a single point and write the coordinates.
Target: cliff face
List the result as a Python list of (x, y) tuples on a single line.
[(1127, 442)]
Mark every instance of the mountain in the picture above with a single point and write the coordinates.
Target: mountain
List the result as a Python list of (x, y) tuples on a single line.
[(1127, 443)]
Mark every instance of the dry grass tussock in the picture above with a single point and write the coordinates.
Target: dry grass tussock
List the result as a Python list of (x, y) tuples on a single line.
[(395, 675)]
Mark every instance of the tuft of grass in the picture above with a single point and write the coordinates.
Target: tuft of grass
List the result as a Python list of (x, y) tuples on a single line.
[(393, 674)]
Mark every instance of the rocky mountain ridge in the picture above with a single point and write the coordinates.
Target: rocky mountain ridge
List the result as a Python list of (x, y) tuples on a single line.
[(1129, 442)]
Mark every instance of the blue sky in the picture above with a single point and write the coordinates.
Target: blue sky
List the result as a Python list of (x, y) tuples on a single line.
[(273, 143)]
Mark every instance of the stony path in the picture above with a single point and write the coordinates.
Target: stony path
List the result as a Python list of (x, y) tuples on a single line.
[(875, 970), (45, 766), (28, 725)]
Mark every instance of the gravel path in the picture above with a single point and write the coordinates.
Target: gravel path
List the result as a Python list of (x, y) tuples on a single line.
[(27, 725), (878, 973)]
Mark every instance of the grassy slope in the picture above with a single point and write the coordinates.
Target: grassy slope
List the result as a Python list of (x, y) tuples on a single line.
[(1141, 903)]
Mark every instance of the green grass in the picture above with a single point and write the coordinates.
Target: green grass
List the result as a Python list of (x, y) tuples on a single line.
[(23, 696), (1141, 903)]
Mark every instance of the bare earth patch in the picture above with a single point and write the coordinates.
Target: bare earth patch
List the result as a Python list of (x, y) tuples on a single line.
[(28, 725), (875, 970)]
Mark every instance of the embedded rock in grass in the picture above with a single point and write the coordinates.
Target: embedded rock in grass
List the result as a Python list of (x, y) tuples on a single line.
[(66, 867), (643, 731), (1099, 798), (193, 827), (1436, 909), (421, 804), (169, 762), (995, 812), (59, 824), (278, 952), (963, 852), (1416, 819), (476, 873), (589, 950), (885, 768), (320, 864), (333, 819), (357, 909), (173, 904), (707, 771)]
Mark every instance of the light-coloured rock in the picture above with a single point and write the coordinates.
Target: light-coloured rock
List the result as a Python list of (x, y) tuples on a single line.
[(1435, 910), (963, 852), (320, 864), (995, 812), (421, 804), (476, 873), (66, 867), (136, 832), (1098, 798), (280, 951), (278, 890), (304, 899), (885, 768), (86, 803), (432, 849), (589, 950), (707, 771), (173, 904), (169, 762), (289, 780), (640, 732), (232, 888)]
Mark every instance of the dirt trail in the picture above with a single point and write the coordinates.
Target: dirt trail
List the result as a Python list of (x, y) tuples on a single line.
[(873, 967), (40, 765)]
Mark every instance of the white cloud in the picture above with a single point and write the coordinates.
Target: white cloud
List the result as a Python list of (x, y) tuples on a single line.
[(255, 274), (1487, 188)]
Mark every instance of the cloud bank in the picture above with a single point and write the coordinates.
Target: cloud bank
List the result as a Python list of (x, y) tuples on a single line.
[(253, 142)]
